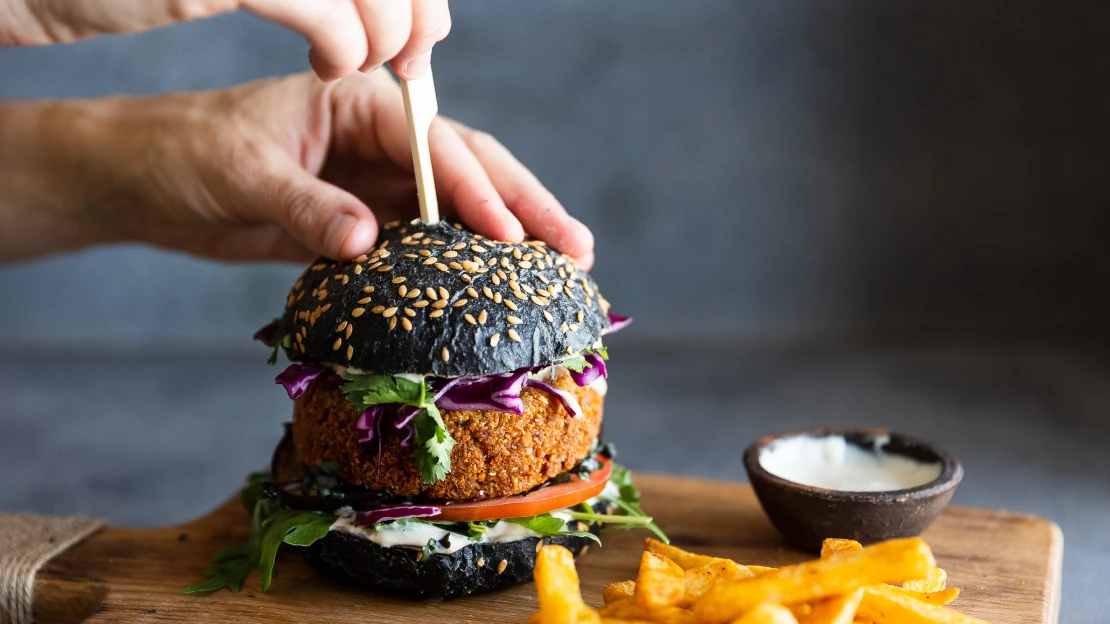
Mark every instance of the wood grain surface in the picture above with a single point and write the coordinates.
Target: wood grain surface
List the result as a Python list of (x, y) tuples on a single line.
[(1007, 564)]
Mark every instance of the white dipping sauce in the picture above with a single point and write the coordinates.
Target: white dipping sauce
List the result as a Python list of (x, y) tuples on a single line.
[(832, 463)]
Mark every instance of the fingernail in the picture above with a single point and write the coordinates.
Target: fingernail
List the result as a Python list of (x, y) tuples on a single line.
[(418, 66), (337, 231), (369, 69)]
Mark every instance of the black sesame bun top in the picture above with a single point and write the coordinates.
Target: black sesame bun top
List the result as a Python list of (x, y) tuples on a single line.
[(436, 299)]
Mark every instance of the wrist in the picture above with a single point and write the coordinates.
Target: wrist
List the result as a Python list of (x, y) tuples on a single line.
[(59, 187)]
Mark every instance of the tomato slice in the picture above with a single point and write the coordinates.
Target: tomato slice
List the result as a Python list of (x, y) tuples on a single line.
[(543, 500)]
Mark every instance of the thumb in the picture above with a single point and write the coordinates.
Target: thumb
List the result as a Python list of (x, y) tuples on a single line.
[(323, 217)]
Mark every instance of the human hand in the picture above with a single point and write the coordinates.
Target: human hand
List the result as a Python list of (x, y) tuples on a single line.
[(346, 35), (282, 169)]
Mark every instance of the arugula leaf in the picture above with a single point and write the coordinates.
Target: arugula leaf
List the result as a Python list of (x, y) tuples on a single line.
[(547, 525), (282, 340), (629, 502), (433, 445), (290, 526)]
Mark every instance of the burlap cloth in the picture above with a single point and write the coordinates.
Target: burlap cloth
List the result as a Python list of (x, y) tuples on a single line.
[(27, 542)]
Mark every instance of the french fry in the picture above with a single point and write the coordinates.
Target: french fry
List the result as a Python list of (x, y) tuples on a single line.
[(660, 582), (698, 580), (623, 589), (832, 545), (941, 597), (557, 589), (887, 562), (609, 620), (684, 559), (767, 613), (630, 609), (883, 604), (801, 609), (935, 582), (837, 610), (757, 570)]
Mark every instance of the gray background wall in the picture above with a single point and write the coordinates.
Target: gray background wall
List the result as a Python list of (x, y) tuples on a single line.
[(823, 169), (847, 173)]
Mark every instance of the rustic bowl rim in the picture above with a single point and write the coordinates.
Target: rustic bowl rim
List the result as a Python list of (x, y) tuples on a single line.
[(951, 473)]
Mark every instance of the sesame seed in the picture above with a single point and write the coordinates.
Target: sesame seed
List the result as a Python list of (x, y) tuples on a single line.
[(368, 289), (407, 324), (459, 246), (382, 253), (487, 292), (403, 290), (536, 300), (361, 258), (378, 309), (398, 280), (513, 276), (425, 240), (491, 262), (411, 256), (501, 566), (420, 304), (504, 261), (455, 265), (574, 327), (358, 269), (514, 320), (580, 316), (317, 267), (383, 269), (431, 260), (341, 327), (481, 562), (569, 350), (435, 314), (494, 339), (389, 312), (501, 274), (431, 293), (424, 252), (445, 354), (413, 294), (338, 343), (442, 303), (544, 279), (539, 545), (346, 278), (443, 293), (470, 319), (350, 330), (438, 242), (509, 304), (496, 281), (324, 282), (513, 335), (409, 312), (450, 254), (350, 352), (357, 312), (393, 322), (473, 293), (441, 266), (564, 328), (568, 292), (547, 315), (497, 297), (459, 303), (373, 266), (327, 306), (520, 295), (482, 316), (517, 254), (464, 277)]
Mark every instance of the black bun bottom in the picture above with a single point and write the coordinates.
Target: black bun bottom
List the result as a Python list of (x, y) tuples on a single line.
[(396, 571)]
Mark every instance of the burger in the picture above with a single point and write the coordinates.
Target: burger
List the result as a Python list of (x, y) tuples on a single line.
[(448, 393)]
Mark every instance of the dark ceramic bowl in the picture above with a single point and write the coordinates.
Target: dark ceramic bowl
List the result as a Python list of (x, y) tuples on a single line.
[(806, 515)]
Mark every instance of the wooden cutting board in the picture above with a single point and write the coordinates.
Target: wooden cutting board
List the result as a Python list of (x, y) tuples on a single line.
[(1007, 564)]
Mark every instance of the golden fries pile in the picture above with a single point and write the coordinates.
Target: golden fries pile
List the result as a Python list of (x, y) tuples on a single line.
[(894, 582)]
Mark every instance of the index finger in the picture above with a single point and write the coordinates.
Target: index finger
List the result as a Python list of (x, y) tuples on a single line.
[(333, 28)]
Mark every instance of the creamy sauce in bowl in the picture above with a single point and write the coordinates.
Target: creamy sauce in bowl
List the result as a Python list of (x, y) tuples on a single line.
[(832, 463)]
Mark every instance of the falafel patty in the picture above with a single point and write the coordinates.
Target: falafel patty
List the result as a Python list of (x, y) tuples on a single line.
[(496, 454)]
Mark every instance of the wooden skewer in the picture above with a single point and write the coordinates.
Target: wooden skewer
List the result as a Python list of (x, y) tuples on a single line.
[(420, 109)]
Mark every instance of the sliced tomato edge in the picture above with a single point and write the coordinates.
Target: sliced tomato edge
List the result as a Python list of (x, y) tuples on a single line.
[(486, 510)]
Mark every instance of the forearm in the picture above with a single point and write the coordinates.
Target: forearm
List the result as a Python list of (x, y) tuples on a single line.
[(59, 187)]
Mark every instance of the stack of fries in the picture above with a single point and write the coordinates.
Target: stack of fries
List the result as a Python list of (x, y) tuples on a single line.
[(894, 582)]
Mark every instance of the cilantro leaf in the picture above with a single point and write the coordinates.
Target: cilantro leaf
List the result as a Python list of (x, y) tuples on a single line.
[(433, 445), (366, 390), (230, 573), (576, 363)]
